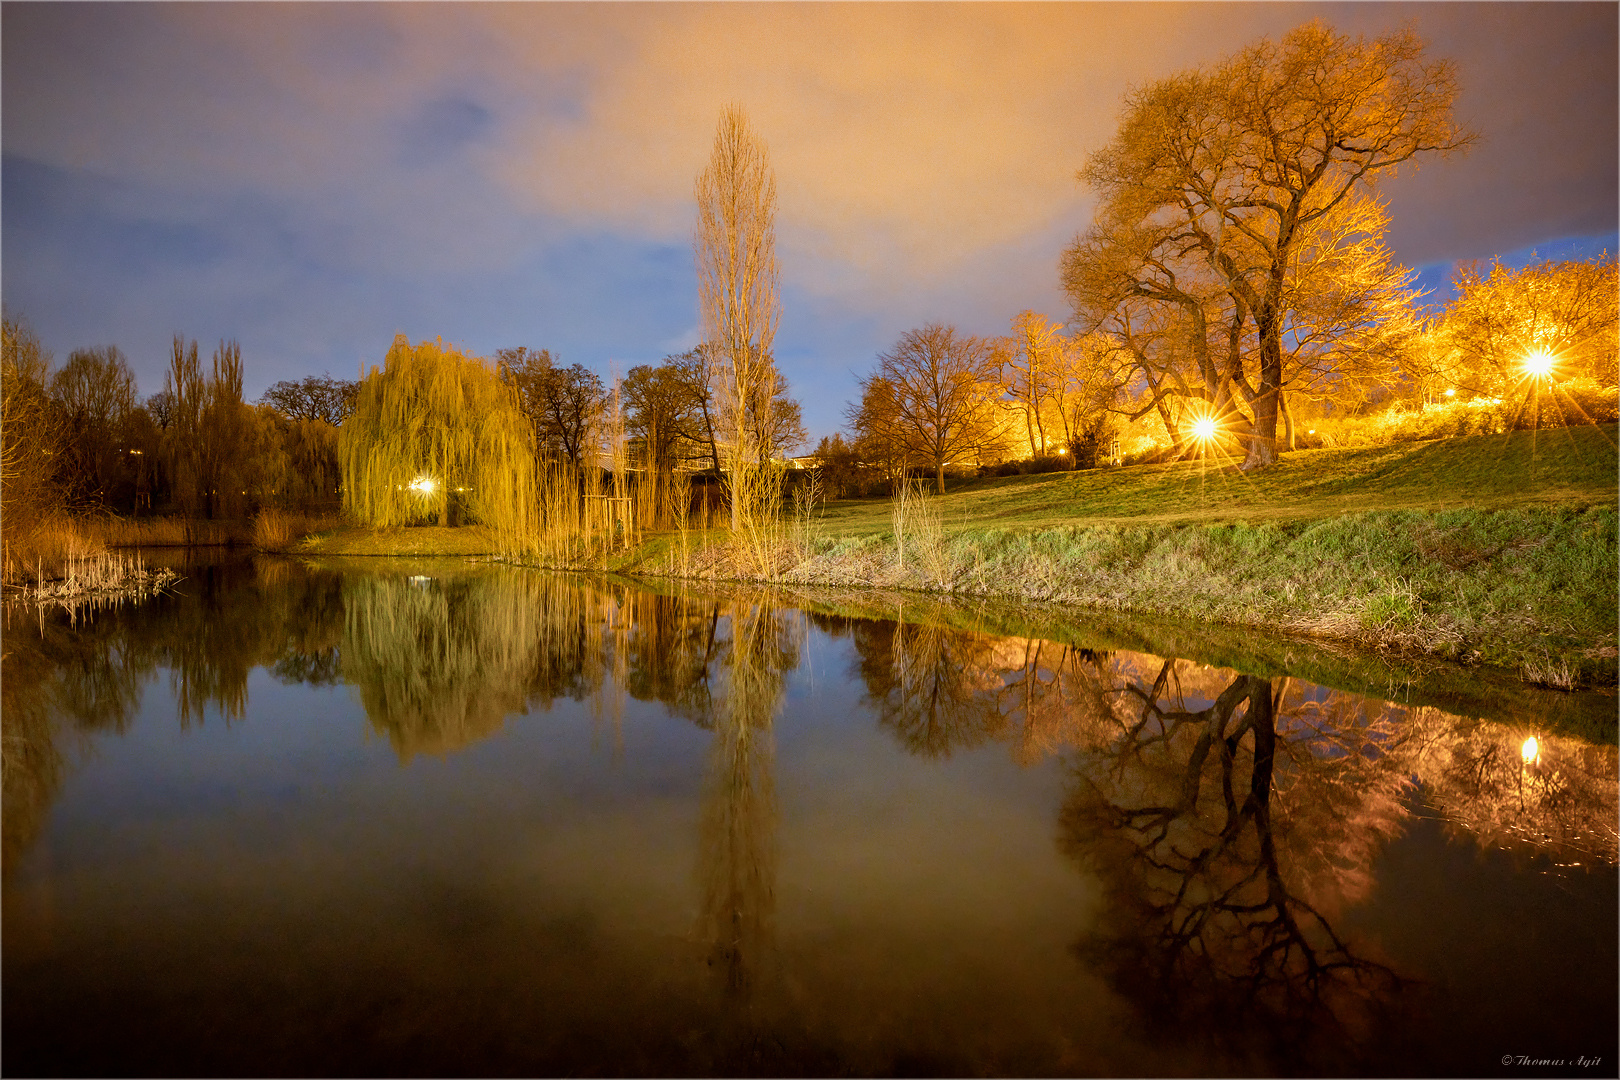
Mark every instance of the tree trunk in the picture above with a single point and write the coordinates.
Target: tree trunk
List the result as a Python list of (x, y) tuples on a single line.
[(941, 465), (1263, 442), (1288, 421)]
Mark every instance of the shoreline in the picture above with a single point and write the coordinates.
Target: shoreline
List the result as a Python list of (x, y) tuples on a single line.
[(1530, 590)]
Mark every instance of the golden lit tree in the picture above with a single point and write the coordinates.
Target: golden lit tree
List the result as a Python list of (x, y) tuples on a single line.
[(1031, 365), (1552, 320), (932, 398), (436, 428), (1232, 165)]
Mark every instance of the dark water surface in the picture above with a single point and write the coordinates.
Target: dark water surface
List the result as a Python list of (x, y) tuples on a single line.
[(442, 819)]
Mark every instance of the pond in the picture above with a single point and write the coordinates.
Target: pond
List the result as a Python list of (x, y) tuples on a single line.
[(447, 818)]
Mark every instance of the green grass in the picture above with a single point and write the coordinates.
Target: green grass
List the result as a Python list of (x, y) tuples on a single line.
[(1559, 466)]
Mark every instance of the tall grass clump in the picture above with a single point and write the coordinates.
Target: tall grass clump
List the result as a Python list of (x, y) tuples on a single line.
[(436, 433), (757, 537), (279, 530), (807, 497), (920, 530)]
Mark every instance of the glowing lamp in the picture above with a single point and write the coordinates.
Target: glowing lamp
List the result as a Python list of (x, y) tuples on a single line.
[(1204, 428), (1451, 391), (422, 485), (1530, 751), (1538, 363)]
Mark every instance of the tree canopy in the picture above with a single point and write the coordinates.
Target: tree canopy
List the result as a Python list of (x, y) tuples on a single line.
[(1219, 177)]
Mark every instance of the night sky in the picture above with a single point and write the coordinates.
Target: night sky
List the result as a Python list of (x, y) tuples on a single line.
[(312, 179)]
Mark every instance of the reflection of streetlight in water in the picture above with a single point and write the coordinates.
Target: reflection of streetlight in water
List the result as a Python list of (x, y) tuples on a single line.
[(1530, 751)]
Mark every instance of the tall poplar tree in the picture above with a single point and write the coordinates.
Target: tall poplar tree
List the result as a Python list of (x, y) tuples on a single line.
[(735, 248)]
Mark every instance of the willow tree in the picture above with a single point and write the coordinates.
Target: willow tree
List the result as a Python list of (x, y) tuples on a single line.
[(735, 247), (434, 426)]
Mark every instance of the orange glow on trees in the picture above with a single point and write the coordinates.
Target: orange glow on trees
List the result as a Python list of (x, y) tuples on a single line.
[(1233, 166)]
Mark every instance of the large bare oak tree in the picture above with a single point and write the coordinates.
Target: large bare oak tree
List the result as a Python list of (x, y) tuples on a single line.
[(1236, 163)]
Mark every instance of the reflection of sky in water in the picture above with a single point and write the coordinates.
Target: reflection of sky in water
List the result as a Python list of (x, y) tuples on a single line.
[(290, 892)]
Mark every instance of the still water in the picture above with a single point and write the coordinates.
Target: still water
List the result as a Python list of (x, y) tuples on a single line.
[(445, 819)]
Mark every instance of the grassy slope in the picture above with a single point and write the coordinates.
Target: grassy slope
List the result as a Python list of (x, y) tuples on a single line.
[(1559, 467)]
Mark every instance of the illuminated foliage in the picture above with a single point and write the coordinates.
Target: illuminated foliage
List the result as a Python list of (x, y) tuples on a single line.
[(1228, 169), (931, 399), (435, 428), (1562, 312)]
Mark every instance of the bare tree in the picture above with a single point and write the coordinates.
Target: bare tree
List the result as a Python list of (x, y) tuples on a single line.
[(95, 392), (934, 395), (316, 397), (735, 248), (1030, 363), (1237, 162)]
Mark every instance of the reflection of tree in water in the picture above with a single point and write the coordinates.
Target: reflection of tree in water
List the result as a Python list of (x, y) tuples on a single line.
[(63, 680), (669, 656), (940, 690), (932, 687), (1562, 802), (737, 861), (55, 680), (441, 662), (1228, 838)]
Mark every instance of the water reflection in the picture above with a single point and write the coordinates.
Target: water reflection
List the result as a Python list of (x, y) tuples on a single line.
[(737, 853), (1230, 836), (1563, 804), (1230, 822), (441, 662)]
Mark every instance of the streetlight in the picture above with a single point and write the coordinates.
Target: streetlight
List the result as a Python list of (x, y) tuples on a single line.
[(1538, 364)]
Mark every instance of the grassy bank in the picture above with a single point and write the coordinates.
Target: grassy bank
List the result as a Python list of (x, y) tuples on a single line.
[(1500, 549)]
